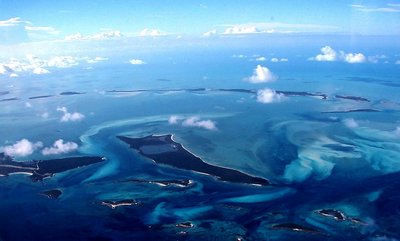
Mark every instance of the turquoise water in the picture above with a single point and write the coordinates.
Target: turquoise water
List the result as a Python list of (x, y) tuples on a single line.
[(343, 161)]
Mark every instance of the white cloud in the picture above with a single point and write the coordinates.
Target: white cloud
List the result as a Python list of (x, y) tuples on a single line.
[(136, 61), (327, 54), (172, 120), (60, 147), (354, 58), (261, 75), (350, 123), (275, 60), (45, 115), (21, 148), (62, 62), (95, 60), (150, 32), (40, 70), (241, 29), (267, 96), (397, 62), (388, 8), (239, 56), (261, 58), (75, 116), (13, 75), (112, 34), (375, 59), (210, 33), (28, 105), (12, 22), (46, 30), (196, 122)]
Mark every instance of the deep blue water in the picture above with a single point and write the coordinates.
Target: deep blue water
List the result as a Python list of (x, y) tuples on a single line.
[(315, 160)]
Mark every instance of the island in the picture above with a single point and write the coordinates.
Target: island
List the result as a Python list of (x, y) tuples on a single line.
[(356, 98), (332, 213), (164, 150), (295, 227), (119, 203), (52, 194), (72, 93), (40, 97), (349, 111), (164, 183), (40, 169)]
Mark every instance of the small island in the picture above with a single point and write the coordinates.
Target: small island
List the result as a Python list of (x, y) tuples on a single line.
[(119, 203), (356, 98), (38, 170), (349, 111), (164, 150), (164, 183), (52, 194), (295, 227)]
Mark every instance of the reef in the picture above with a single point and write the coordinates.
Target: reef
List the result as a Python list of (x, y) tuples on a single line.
[(164, 150)]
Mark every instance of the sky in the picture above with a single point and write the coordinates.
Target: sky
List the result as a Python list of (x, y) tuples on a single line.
[(43, 20)]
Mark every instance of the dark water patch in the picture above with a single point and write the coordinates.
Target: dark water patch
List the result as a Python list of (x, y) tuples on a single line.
[(164, 80), (348, 97), (374, 81), (318, 117), (337, 147), (163, 150), (40, 97), (52, 194)]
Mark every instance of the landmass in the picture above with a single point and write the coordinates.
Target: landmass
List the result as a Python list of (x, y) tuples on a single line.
[(356, 98), (332, 213), (40, 97), (52, 194), (119, 203), (349, 111), (302, 93), (72, 93), (40, 169), (164, 183), (9, 99), (295, 227), (164, 150)]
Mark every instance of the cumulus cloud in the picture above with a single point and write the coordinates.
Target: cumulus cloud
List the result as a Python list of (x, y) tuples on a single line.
[(261, 58), (75, 116), (40, 70), (276, 60), (95, 60), (172, 120), (150, 32), (261, 75), (350, 123), (62, 62), (197, 122), (354, 58), (136, 61), (210, 33), (60, 147), (35, 65), (329, 54), (112, 34), (21, 148), (192, 121), (267, 96), (241, 29)]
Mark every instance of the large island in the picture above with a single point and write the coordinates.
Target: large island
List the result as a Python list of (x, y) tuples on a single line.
[(164, 150)]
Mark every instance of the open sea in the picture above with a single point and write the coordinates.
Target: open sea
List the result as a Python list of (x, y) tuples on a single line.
[(333, 164)]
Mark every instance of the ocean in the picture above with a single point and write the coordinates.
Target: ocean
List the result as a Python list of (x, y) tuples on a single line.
[(333, 163)]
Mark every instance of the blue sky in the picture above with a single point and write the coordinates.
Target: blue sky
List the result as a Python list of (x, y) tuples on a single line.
[(27, 21)]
